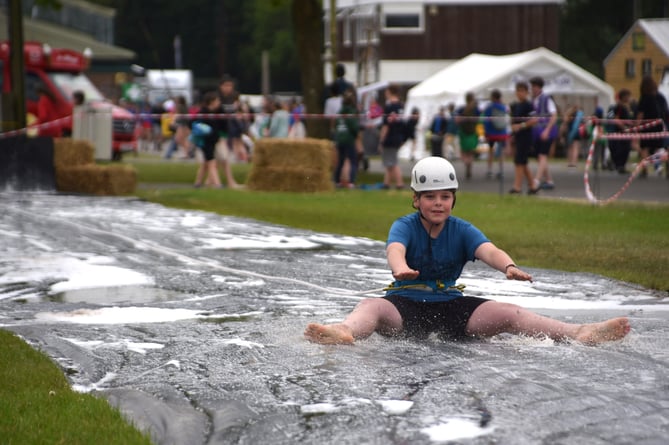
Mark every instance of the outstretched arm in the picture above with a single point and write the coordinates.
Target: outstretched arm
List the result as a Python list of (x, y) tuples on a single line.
[(500, 260), (396, 254)]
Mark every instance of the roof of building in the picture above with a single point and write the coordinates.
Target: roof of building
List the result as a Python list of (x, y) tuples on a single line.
[(62, 37), (656, 29)]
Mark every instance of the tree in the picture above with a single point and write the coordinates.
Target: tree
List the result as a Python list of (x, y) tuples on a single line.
[(308, 25), (590, 29)]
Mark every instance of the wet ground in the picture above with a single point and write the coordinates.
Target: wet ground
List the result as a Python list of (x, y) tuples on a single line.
[(192, 324)]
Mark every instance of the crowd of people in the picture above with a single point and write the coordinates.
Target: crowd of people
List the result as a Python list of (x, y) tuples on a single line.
[(533, 125), (530, 126), (217, 130)]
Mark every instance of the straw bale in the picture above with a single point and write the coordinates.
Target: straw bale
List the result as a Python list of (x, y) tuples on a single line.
[(295, 179), (298, 165), (68, 152), (96, 179)]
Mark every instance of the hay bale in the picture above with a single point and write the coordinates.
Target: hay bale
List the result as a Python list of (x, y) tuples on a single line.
[(96, 179), (295, 165), (68, 152)]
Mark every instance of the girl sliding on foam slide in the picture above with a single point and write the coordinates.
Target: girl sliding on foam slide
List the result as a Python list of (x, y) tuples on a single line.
[(427, 251)]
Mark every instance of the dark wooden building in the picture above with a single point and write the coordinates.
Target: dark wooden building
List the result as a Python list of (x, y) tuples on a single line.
[(375, 39)]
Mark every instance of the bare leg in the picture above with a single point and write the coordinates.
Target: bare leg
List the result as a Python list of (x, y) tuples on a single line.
[(573, 153), (370, 315), (227, 170), (492, 318), (201, 171), (528, 175), (491, 156), (387, 177), (518, 177), (212, 173), (468, 159), (396, 174), (542, 169)]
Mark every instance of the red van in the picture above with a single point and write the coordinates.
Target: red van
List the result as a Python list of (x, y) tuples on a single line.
[(61, 71)]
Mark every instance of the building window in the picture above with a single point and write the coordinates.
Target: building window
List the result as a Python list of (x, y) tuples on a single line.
[(403, 18), (630, 70), (647, 67), (402, 21), (638, 41)]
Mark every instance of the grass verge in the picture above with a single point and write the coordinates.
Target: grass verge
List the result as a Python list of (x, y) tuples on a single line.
[(37, 404)]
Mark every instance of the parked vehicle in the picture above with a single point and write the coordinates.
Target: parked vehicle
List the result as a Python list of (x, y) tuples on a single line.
[(62, 72)]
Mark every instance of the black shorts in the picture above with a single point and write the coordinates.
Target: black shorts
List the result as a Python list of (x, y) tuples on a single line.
[(542, 147), (446, 318)]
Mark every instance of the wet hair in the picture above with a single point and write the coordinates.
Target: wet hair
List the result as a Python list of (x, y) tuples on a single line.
[(537, 81)]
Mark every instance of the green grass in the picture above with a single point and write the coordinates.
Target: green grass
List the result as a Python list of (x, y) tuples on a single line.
[(37, 405)]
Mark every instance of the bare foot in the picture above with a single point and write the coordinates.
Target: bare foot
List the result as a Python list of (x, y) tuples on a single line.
[(609, 330), (329, 334)]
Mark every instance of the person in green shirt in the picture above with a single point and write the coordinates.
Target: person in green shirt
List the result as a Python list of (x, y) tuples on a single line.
[(346, 129)]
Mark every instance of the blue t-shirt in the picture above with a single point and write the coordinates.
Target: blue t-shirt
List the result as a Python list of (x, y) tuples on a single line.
[(438, 259)]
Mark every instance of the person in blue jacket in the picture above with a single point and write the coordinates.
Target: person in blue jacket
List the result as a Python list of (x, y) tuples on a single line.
[(426, 252)]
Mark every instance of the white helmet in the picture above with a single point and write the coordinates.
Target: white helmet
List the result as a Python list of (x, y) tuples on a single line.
[(433, 173)]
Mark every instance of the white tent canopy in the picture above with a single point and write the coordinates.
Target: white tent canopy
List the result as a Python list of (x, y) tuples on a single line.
[(480, 73)]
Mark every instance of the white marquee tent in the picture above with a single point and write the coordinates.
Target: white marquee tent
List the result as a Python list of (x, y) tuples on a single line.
[(568, 83)]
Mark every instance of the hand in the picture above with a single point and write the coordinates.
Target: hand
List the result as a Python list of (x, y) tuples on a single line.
[(406, 274), (514, 273)]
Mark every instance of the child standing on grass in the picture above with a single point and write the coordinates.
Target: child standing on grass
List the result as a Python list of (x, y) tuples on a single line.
[(426, 252), (207, 143)]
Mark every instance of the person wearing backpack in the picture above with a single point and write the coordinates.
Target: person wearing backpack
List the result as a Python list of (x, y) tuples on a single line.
[(467, 118), (346, 130), (496, 125)]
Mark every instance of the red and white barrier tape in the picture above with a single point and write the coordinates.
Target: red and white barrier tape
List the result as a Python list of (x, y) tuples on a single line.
[(36, 127), (643, 126), (661, 156), (618, 136)]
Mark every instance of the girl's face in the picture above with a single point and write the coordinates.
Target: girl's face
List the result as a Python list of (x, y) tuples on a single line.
[(435, 206)]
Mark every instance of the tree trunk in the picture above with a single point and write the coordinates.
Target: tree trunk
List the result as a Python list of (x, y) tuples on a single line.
[(308, 25)]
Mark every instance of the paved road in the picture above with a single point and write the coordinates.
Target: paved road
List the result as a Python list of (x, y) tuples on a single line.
[(569, 182)]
